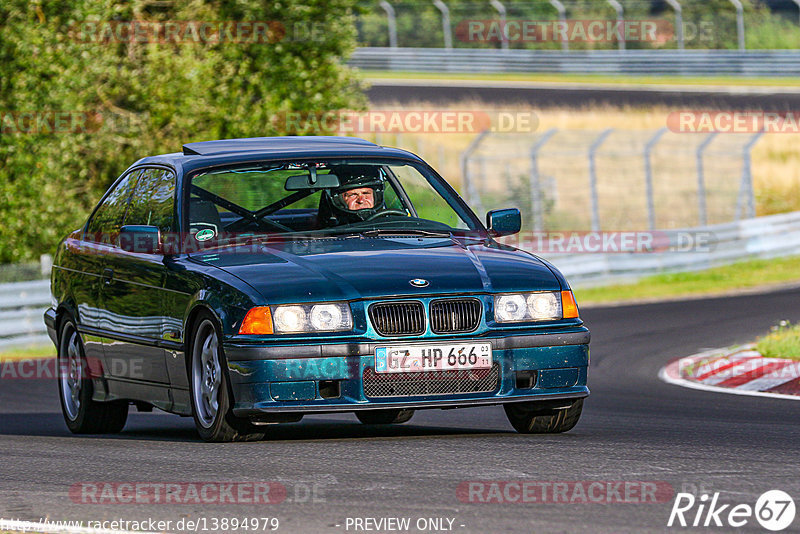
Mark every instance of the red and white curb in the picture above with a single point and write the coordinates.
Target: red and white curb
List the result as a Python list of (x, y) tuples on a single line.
[(740, 371)]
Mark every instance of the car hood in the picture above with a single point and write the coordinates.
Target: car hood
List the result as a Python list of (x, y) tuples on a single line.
[(365, 268)]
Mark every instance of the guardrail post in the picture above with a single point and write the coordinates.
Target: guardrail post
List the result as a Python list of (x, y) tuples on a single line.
[(648, 177), (469, 188), (739, 22), (562, 19), (593, 177), (746, 199), (620, 21), (46, 263), (536, 183), (391, 21), (674, 4), (501, 10), (701, 180), (448, 31)]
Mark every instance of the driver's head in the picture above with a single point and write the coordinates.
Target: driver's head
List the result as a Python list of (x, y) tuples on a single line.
[(359, 195), (359, 198)]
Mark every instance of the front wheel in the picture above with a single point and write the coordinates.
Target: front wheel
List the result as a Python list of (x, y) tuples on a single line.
[(211, 398), (384, 417), (538, 418), (82, 414)]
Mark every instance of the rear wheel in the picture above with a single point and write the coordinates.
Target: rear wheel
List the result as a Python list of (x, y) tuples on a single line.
[(211, 395), (384, 417), (541, 418), (82, 414)]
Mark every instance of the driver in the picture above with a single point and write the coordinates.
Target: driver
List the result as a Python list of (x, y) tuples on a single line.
[(358, 197)]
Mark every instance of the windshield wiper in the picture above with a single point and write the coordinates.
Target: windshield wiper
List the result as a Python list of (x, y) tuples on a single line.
[(404, 231)]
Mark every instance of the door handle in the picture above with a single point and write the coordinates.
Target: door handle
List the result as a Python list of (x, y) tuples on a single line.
[(108, 276)]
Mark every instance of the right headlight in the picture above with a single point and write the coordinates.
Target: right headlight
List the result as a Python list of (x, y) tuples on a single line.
[(539, 306), (298, 318)]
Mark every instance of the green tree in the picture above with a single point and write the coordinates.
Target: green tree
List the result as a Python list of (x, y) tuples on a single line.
[(147, 97)]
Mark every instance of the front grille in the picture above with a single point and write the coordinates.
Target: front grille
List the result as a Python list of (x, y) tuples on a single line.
[(398, 318), (451, 316), (430, 382)]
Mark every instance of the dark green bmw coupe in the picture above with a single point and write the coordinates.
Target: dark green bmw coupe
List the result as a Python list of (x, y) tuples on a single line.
[(246, 282)]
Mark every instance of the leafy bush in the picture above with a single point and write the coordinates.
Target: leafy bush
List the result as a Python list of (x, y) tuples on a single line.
[(148, 97)]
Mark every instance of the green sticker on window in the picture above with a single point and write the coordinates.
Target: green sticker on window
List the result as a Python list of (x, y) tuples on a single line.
[(204, 235)]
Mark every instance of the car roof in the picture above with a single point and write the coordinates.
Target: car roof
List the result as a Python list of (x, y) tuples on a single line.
[(228, 151)]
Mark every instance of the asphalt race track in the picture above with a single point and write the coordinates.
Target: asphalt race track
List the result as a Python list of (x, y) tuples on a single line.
[(540, 96), (634, 428)]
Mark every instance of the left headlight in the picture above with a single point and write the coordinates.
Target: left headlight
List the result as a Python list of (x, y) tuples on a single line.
[(296, 318), (539, 306)]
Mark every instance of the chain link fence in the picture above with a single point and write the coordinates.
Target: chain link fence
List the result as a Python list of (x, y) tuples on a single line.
[(612, 179)]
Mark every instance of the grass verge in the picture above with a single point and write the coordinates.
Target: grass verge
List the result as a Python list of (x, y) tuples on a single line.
[(28, 353), (743, 275), (782, 342), (588, 78)]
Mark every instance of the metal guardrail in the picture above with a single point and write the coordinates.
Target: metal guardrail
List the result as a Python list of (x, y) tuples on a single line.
[(767, 237), (22, 304), (644, 62), (21, 307)]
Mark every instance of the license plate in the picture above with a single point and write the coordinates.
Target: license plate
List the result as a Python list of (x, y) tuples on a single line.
[(419, 358)]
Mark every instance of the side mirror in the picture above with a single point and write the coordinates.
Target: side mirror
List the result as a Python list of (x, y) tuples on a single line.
[(504, 222), (140, 239)]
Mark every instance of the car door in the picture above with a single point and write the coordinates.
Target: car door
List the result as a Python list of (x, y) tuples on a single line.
[(132, 289), (86, 260)]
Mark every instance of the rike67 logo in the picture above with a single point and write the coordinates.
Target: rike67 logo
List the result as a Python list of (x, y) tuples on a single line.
[(774, 510)]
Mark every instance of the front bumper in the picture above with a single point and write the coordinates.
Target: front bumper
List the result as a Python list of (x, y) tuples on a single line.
[(280, 379)]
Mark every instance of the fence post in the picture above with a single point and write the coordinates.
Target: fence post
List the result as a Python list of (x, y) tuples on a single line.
[(448, 31), (469, 188), (501, 10), (593, 177), (674, 4), (701, 180), (536, 186), (562, 19), (648, 177), (746, 200), (739, 22), (391, 21), (620, 22)]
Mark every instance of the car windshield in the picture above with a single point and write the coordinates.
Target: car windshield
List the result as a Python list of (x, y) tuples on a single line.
[(331, 197)]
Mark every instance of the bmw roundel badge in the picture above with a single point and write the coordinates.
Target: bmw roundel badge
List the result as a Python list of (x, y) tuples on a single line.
[(419, 282)]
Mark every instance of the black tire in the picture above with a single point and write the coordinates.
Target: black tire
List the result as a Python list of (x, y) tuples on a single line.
[(384, 417), (539, 418), (211, 405), (82, 414)]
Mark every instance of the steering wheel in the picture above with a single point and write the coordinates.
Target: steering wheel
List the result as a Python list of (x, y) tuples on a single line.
[(384, 213)]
